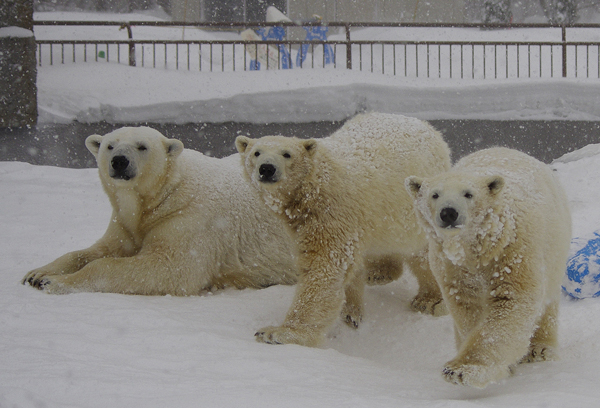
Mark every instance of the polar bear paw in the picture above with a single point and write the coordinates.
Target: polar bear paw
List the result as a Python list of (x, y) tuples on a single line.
[(376, 278), (428, 304), (538, 353), (474, 375), (352, 314), (53, 284), (286, 335), (35, 277)]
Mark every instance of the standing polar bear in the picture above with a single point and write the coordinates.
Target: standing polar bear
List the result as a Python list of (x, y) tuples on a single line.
[(341, 198), (499, 230), (182, 223)]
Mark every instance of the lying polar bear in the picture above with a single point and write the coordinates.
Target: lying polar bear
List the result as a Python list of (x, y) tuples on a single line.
[(182, 223)]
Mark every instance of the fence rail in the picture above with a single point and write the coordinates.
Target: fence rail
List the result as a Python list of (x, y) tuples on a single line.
[(441, 59)]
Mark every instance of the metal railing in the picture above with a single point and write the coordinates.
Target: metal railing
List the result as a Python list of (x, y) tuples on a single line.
[(410, 58)]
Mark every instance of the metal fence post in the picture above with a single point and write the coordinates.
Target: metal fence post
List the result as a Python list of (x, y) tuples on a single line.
[(348, 42), (564, 51), (131, 44), (348, 47)]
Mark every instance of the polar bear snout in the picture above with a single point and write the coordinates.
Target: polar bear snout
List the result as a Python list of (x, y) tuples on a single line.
[(267, 173), (120, 168), (449, 217), (119, 163)]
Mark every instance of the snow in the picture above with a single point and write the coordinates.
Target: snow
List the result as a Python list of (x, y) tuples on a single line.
[(98, 350), (121, 94), (15, 32), (110, 350), (117, 93)]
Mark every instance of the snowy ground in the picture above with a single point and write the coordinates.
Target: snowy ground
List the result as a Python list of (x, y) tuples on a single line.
[(110, 350)]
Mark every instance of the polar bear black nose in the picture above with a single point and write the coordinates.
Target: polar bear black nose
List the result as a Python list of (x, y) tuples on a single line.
[(119, 163), (267, 172), (448, 215)]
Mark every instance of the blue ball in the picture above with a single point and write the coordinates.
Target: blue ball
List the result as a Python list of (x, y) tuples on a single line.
[(582, 279)]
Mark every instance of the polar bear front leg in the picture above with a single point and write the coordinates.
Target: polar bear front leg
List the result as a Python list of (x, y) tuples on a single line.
[(115, 243), (429, 300), (495, 345), (543, 344), (317, 303), (67, 264), (143, 274), (352, 310)]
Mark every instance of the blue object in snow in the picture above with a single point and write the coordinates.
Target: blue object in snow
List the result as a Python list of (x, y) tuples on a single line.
[(583, 268), (315, 33)]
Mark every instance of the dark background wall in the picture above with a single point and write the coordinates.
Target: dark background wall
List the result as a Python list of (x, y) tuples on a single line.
[(63, 145)]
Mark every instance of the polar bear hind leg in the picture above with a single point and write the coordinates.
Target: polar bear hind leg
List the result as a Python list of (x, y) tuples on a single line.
[(383, 270)]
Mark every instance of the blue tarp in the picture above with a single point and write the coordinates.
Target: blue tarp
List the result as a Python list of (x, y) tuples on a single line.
[(583, 268)]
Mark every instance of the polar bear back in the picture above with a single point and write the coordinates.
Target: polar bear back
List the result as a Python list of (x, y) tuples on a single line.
[(529, 182), (215, 178), (224, 209), (379, 142), (376, 152)]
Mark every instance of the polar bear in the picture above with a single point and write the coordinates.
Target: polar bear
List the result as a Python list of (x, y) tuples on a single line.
[(342, 201), (182, 223), (499, 230)]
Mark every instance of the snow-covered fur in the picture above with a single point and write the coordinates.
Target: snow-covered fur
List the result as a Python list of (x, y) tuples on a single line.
[(499, 230), (349, 214), (182, 223)]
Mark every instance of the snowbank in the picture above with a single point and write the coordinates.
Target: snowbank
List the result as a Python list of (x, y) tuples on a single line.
[(15, 32), (91, 92)]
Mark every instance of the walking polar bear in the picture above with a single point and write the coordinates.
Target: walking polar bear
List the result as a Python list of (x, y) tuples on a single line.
[(342, 201), (499, 230), (182, 223)]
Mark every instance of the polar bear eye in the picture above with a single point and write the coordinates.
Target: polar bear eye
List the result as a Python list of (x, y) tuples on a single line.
[(435, 196), (256, 154), (468, 195), (287, 155), (141, 148), (109, 147)]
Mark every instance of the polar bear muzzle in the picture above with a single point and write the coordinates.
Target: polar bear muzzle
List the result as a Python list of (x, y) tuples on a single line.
[(120, 168), (267, 173), (448, 217)]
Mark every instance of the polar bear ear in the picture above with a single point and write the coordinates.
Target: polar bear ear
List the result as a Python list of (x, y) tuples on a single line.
[(494, 184), (174, 147), (310, 146), (242, 143), (93, 143), (413, 185)]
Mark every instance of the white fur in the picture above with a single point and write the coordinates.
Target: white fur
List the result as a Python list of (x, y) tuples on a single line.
[(183, 223), (353, 221), (501, 263)]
